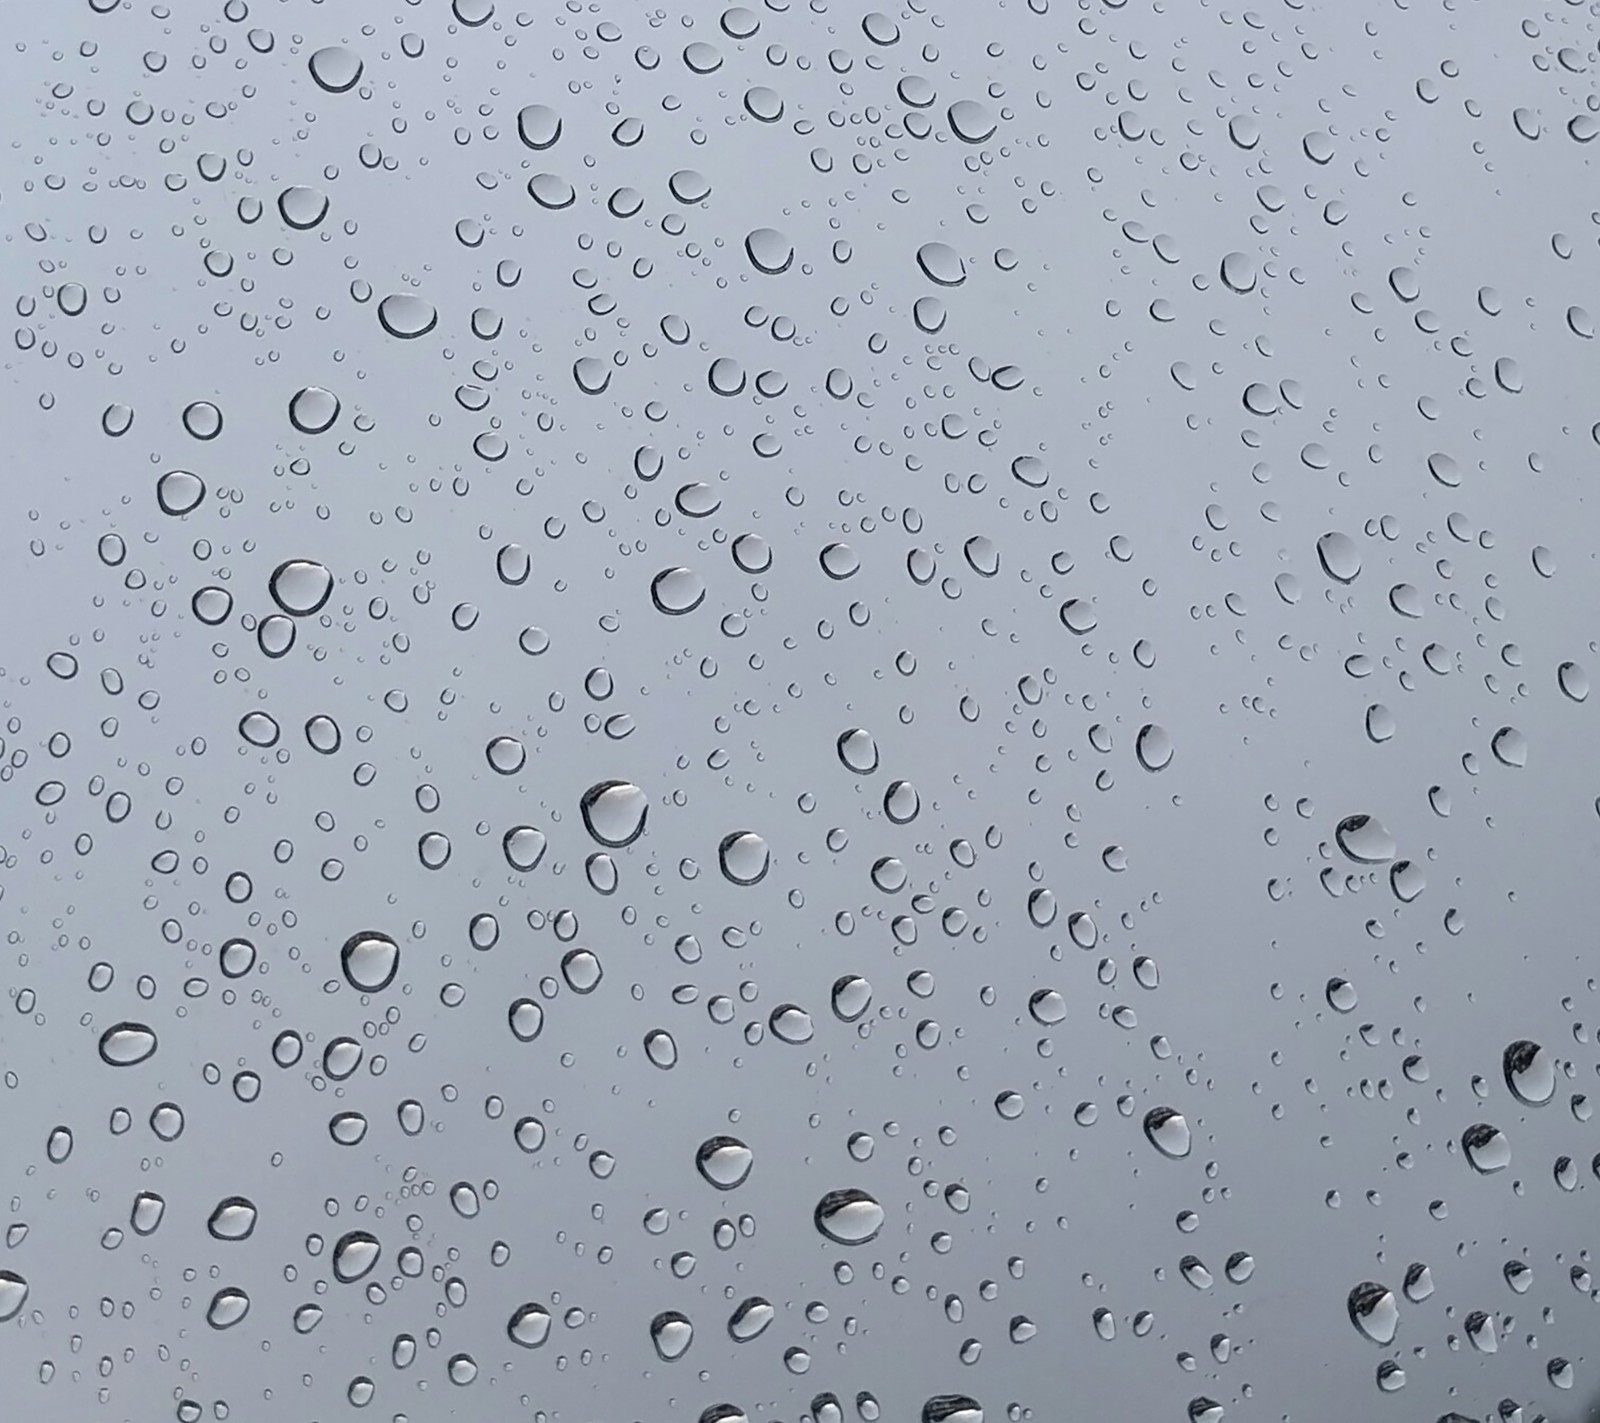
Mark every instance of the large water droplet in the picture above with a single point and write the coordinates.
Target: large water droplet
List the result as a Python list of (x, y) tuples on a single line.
[(724, 1161), (302, 208), (940, 263), (538, 126), (671, 1333), (1486, 1148), (952, 1408), (848, 1217), (971, 121), (407, 315), (614, 812), (300, 586), (1168, 1131), (677, 590), (127, 1044), (744, 857), (233, 1218), (769, 250), (13, 1294), (355, 1253), (1530, 1073), (1374, 1312), (335, 68), (313, 410), (1364, 840), (529, 1325), (370, 961)]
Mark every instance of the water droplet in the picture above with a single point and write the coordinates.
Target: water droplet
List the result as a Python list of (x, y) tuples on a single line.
[(228, 1306), (614, 812), (312, 410), (744, 857), (370, 961), (300, 586), (769, 250), (538, 126), (1530, 1073), (1374, 1312), (724, 1161), (180, 492), (302, 208), (677, 590), (1168, 1131), (1340, 558), (233, 1218), (354, 1255), (529, 1325), (750, 1319), (971, 121), (952, 1408), (407, 316), (1486, 1148), (335, 68), (127, 1044), (1153, 747), (941, 264), (1364, 840), (848, 1217)]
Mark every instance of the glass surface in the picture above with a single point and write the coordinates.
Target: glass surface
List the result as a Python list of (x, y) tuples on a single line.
[(793, 712)]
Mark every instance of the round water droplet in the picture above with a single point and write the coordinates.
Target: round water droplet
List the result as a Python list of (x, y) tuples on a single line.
[(300, 586), (614, 812), (302, 208), (524, 847), (724, 1161), (228, 1306), (848, 1217), (1167, 1131), (127, 1044), (313, 410), (407, 316), (677, 590), (370, 961), (335, 68), (180, 492)]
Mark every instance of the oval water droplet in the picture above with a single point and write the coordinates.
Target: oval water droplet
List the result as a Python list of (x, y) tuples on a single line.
[(407, 315), (940, 263), (848, 1217), (1374, 1312), (300, 586), (127, 1044), (1168, 1131)]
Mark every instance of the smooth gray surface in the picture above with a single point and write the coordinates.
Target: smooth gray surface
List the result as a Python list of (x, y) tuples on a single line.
[(1228, 282)]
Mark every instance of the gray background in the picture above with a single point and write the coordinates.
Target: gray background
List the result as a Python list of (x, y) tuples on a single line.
[(1416, 151)]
